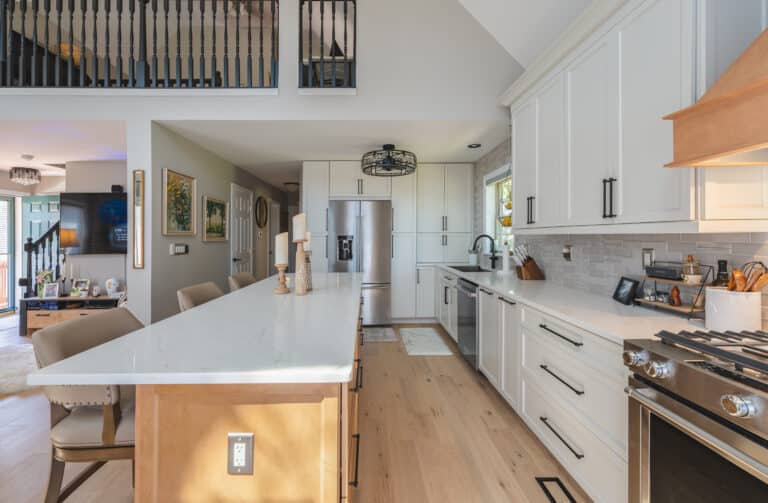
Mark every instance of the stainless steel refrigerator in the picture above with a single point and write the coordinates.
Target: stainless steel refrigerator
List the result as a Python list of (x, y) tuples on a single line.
[(360, 240)]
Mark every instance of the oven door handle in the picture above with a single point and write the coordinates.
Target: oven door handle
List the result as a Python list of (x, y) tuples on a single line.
[(735, 456)]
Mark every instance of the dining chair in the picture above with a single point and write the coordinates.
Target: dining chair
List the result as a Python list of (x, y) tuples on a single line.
[(240, 280), (92, 424), (199, 294)]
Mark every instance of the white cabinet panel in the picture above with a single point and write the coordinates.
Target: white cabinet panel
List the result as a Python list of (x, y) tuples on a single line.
[(453, 313), (443, 298), (511, 350), (593, 124), (489, 336), (345, 178), (656, 78), (429, 247), (735, 193), (374, 186), (523, 161), (459, 184), (550, 192), (319, 253), (314, 195), (404, 203), (403, 275), (456, 247), (430, 197), (425, 292)]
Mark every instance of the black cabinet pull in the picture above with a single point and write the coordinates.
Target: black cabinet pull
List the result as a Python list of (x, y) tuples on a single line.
[(605, 210), (356, 482), (611, 213), (576, 453), (545, 368), (568, 339), (362, 335), (445, 295), (358, 376), (508, 301), (533, 216)]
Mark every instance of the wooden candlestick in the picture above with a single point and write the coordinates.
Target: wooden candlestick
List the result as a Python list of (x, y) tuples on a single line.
[(282, 287), (301, 270)]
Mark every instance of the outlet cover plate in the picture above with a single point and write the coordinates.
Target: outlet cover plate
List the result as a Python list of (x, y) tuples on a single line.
[(240, 453)]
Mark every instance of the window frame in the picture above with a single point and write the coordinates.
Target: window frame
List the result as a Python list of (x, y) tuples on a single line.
[(491, 178)]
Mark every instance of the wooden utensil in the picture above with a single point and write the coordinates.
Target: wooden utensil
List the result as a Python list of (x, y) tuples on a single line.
[(752, 278), (732, 281), (740, 279), (761, 283)]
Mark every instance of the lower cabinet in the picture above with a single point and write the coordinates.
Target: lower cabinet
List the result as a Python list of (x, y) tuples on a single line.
[(511, 352), (490, 340), (425, 292), (447, 313)]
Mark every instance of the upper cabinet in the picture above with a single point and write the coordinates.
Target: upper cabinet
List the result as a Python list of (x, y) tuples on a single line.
[(403, 203), (444, 198), (524, 164), (348, 181), (314, 195), (459, 182)]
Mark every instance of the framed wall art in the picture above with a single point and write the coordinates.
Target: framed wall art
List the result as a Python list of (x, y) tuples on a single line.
[(179, 196), (138, 219), (215, 219)]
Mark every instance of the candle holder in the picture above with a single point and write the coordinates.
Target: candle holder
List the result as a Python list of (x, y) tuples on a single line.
[(301, 269), (282, 286), (308, 255)]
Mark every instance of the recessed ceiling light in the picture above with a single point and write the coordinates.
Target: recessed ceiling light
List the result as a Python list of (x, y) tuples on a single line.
[(474, 145)]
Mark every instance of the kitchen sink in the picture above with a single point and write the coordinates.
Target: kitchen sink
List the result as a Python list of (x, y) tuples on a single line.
[(469, 268)]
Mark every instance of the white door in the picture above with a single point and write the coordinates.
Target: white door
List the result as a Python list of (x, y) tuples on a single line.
[(456, 248), (241, 230), (345, 179), (489, 336), (274, 230), (425, 292), (551, 187), (656, 77), (403, 275), (593, 102), (430, 198), (523, 162), (404, 203), (429, 247), (314, 195), (511, 352), (374, 186), (459, 186)]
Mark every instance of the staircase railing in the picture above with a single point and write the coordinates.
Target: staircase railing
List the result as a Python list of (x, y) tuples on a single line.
[(42, 255)]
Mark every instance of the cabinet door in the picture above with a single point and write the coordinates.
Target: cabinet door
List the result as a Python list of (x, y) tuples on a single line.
[(656, 78), (375, 186), (453, 313), (345, 178), (459, 185), (319, 253), (523, 161), (511, 352), (735, 193), (314, 196), (425, 292), (429, 247), (443, 299), (456, 248), (404, 203), (430, 197), (403, 275), (549, 205), (593, 95), (490, 340)]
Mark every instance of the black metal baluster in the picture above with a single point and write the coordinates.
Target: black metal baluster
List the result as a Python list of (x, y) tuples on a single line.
[(142, 79), (9, 58), (119, 67), (46, 40), (214, 82), (190, 57), (50, 252), (346, 54), (202, 43), (237, 46), (83, 59), (178, 43), (33, 66), (95, 38), (273, 63), (166, 56), (322, 43), (58, 249), (23, 51), (249, 61), (261, 43), (3, 36), (131, 60), (71, 38), (226, 44), (353, 63), (301, 42), (107, 9), (154, 43), (333, 41), (309, 36)]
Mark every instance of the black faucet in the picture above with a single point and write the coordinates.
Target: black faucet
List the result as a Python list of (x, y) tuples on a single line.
[(494, 258)]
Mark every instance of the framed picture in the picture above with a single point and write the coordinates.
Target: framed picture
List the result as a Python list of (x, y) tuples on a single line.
[(179, 195), (215, 219), (50, 290), (626, 290), (81, 285), (138, 219), (262, 212)]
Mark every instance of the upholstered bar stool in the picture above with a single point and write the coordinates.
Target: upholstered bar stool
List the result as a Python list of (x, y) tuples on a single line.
[(88, 423), (240, 280), (196, 295)]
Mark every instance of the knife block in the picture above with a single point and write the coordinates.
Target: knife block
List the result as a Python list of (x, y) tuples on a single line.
[(530, 271)]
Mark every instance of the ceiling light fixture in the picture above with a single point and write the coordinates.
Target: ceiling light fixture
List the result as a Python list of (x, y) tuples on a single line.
[(389, 162), (474, 145), (25, 176), (291, 186)]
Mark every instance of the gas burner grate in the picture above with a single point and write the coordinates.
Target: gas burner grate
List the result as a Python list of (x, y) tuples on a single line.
[(744, 349)]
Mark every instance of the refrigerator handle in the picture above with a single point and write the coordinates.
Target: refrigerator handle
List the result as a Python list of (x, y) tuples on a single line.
[(418, 276), (392, 246)]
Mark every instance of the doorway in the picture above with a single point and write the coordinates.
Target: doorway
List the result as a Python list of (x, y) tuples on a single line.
[(241, 232), (7, 250)]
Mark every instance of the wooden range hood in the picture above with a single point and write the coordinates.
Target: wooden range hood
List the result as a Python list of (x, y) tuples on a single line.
[(728, 126)]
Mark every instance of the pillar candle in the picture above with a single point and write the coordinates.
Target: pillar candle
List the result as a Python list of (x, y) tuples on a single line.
[(308, 241), (299, 227), (281, 248)]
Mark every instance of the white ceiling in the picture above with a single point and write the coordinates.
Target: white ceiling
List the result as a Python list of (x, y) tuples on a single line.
[(273, 150), (59, 142), (525, 27)]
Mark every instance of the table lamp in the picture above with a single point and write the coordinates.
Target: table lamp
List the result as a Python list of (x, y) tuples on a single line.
[(67, 239)]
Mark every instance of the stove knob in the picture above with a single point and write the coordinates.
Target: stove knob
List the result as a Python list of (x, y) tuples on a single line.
[(737, 406), (658, 370), (635, 358)]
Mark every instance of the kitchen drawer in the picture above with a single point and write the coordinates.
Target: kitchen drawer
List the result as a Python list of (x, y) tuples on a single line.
[(599, 398), (599, 471), (603, 355), (42, 318), (448, 278)]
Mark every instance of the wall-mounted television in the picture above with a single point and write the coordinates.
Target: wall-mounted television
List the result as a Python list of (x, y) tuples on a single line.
[(99, 222)]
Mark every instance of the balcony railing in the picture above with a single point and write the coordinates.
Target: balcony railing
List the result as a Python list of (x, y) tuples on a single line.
[(139, 43), (327, 45)]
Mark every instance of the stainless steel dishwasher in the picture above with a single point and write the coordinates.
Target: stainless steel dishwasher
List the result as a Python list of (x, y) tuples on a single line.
[(467, 309)]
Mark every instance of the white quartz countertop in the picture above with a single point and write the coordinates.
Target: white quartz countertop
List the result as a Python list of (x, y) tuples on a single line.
[(247, 336), (599, 314)]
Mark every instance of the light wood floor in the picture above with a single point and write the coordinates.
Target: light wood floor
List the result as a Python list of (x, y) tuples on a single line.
[(432, 430)]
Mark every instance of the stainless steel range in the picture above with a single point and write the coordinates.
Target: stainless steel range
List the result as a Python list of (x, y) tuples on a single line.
[(698, 417)]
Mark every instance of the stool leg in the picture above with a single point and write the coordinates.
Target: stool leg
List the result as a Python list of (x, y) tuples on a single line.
[(55, 479)]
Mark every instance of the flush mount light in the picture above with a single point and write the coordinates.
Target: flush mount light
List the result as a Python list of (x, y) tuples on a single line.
[(389, 162), (291, 186), (474, 145), (25, 176)]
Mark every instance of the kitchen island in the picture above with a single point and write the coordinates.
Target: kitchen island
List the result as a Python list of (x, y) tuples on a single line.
[(275, 366)]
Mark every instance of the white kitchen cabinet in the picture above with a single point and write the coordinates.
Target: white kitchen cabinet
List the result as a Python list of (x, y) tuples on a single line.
[(453, 312), (431, 198), (314, 195), (459, 183), (319, 253), (735, 193), (443, 297), (511, 350), (375, 186), (404, 203), (430, 247), (523, 162), (403, 275), (456, 249), (444, 197), (489, 336), (347, 180), (550, 180), (425, 292)]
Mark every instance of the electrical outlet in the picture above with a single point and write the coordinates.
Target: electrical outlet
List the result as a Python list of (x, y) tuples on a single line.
[(178, 249), (240, 453), (649, 257)]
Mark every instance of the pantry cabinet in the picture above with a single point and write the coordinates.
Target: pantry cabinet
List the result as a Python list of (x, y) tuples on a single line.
[(443, 248), (347, 180), (403, 276), (425, 292), (404, 203), (444, 198), (314, 195)]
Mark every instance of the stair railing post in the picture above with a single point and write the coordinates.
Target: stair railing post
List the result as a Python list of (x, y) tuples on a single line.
[(30, 280), (141, 64)]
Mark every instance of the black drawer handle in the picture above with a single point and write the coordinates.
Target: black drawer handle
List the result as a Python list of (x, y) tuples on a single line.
[(356, 482), (358, 377), (42, 315), (576, 453), (545, 368), (575, 343), (508, 301), (362, 336)]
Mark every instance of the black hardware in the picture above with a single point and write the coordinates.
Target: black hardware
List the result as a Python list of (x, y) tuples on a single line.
[(362, 335), (358, 376), (576, 453), (545, 368), (445, 295), (493, 257), (335, 65), (508, 301), (528, 210), (533, 207), (611, 213), (575, 343), (605, 211), (355, 483), (542, 481)]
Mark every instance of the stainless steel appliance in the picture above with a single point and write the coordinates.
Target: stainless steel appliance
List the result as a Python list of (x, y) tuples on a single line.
[(698, 417), (467, 329), (360, 240)]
